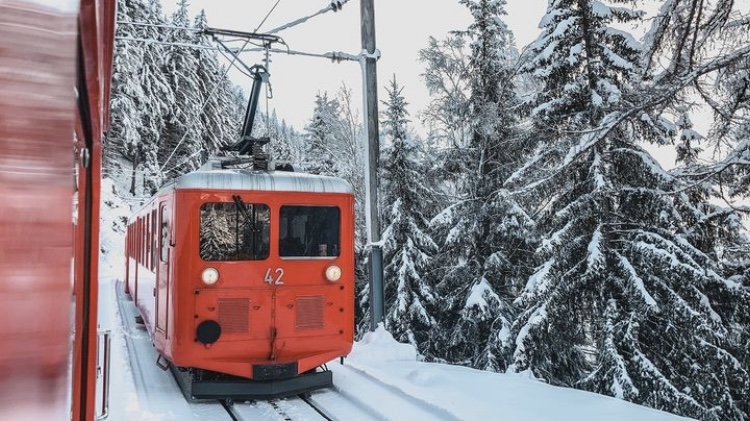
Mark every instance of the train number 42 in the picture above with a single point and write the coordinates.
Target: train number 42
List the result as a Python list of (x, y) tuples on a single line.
[(269, 278)]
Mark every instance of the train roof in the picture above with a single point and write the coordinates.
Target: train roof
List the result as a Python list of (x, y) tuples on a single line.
[(277, 181)]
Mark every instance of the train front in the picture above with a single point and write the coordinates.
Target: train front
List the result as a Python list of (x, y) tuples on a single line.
[(267, 290)]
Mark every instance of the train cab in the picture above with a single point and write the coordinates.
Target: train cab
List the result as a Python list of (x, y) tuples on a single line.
[(246, 273)]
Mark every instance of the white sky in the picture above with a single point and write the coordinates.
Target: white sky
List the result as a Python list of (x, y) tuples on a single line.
[(402, 29)]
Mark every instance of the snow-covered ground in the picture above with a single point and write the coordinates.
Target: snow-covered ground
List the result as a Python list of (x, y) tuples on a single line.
[(381, 378)]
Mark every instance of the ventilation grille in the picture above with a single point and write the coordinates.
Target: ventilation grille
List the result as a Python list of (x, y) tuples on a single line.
[(234, 314), (310, 312)]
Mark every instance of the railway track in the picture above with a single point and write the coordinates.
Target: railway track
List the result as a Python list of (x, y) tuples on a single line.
[(290, 409)]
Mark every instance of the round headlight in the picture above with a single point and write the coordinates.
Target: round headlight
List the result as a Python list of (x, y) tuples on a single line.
[(210, 276), (333, 273)]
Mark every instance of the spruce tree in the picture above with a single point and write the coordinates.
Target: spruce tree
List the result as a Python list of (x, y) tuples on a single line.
[(219, 124), (630, 299), (140, 94), (181, 144), (407, 246), (289, 144), (484, 233), (320, 148)]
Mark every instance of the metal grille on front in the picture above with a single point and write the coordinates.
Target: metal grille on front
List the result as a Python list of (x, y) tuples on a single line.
[(234, 314), (310, 312)]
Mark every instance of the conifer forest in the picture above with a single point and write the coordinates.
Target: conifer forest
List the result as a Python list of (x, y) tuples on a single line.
[(532, 229)]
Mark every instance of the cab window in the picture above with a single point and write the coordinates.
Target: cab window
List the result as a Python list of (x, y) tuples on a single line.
[(309, 231), (234, 231)]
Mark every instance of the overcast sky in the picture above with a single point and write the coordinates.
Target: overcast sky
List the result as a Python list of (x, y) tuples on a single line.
[(402, 29)]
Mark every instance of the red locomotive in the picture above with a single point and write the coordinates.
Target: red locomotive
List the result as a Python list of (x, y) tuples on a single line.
[(246, 274)]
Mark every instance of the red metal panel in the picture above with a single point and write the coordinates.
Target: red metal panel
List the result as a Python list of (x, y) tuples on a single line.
[(36, 110), (96, 24)]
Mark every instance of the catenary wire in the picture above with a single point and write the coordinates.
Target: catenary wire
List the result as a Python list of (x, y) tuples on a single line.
[(267, 15)]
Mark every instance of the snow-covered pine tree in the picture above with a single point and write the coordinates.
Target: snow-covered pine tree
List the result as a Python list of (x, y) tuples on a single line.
[(484, 233), (181, 145), (320, 148), (410, 299), (688, 140), (140, 94), (628, 300), (220, 123), (289, 144), (124, 134)]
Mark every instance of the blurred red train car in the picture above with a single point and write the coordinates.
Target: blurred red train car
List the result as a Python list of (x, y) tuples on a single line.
[(241, 275), (55, 67)]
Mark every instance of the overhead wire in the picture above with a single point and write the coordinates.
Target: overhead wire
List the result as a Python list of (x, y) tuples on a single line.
[(155, 25), (267, 15), (174, 44)]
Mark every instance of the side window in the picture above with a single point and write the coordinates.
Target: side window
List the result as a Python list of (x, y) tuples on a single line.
[(153, 241), (138, 240), (142, 238), (309, 231), (164, 234), (147, 241), (234, 231), (141, 241)]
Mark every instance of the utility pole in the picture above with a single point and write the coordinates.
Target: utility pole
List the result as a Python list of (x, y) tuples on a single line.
[(370, 82)]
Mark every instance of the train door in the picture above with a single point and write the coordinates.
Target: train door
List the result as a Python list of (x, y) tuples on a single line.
[(163, 263)]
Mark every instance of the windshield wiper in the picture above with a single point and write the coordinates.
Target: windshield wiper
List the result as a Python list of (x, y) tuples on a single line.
[(249, 220)]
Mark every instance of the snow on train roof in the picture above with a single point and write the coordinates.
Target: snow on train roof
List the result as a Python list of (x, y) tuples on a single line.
[(234, 179)]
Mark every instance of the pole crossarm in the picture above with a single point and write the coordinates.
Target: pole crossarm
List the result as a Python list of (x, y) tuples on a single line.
[(336, 56), (265, 37)]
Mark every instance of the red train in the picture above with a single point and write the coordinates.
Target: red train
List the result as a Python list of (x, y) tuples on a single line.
[(56, 64), (242, 275)]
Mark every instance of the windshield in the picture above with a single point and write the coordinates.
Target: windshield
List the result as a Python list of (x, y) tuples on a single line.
[(309, 231), (234, 231)]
